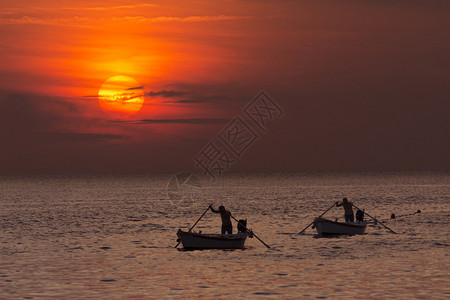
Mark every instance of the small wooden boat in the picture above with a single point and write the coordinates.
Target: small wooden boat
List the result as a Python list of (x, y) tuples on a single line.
[(327, 227), (192, 240)]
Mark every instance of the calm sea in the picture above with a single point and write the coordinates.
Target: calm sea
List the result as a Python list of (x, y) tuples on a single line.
[(113, 237)]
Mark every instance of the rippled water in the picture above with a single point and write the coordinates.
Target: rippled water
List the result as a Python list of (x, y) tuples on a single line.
[(113, 237)]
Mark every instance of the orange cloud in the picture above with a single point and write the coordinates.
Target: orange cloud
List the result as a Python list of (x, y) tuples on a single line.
[(79, 21)]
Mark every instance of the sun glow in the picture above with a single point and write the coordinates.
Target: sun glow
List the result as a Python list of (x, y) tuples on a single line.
[(121, 96)]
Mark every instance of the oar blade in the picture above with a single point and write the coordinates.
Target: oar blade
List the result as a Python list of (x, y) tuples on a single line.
[(252, 232)]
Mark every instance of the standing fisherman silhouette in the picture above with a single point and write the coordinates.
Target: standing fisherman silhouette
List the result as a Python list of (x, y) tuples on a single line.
[(227, 227), (348, 210)]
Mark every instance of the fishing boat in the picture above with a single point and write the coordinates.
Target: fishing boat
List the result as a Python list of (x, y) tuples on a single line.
[(192, 240), (328, 227)]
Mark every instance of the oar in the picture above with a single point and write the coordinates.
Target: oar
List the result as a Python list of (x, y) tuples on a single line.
[(252, 232), (376, 220), (393, 216), (318, 217), (195, 223)]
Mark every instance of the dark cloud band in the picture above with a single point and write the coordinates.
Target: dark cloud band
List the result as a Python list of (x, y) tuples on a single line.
[(176, 121), (166, 94)]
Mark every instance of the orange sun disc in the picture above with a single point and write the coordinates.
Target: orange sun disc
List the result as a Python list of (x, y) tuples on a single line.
[(121, 96)]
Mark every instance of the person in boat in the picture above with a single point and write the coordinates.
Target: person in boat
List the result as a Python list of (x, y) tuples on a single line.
[(348, 210), (227, 227)]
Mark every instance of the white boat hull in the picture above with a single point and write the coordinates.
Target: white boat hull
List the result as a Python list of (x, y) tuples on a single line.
[(327, 227), (191, 240)]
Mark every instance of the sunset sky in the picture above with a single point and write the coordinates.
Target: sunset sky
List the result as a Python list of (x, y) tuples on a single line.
[(364, 85)]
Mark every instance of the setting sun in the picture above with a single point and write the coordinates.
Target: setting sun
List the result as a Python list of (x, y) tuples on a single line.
[(121, 96)]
